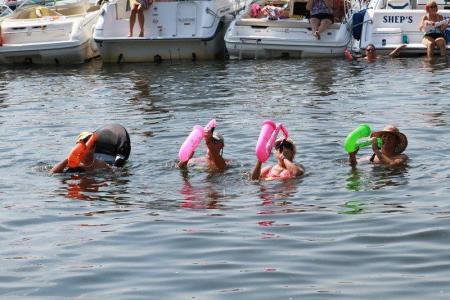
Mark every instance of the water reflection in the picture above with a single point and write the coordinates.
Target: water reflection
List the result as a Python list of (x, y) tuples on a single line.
[(323, 78), (434, 64), (195, 197), (378, 178), (97, 186), (79, 187)]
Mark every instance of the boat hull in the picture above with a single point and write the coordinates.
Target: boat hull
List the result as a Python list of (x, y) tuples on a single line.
[(157, 50), (65, 54), (49, 40), (262, 38), (186, 30)]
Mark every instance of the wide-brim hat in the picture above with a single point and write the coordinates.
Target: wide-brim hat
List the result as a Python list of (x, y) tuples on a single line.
[(83, 136), (401, 138)]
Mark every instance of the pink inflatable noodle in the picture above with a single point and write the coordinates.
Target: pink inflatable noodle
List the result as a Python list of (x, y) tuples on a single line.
[(193, 140), (267, 137), (261, 149)]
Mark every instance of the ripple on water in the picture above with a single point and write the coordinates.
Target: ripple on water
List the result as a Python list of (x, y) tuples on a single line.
[(151, 231)]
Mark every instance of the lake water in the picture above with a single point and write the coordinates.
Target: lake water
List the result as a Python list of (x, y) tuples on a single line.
[(150, 231)]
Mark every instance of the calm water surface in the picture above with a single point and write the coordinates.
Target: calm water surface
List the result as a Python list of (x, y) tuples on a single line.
[(150, 231)]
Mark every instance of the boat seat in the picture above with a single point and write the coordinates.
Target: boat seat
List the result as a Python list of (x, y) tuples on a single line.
[(285, 23), (38, 12), (398, 4)]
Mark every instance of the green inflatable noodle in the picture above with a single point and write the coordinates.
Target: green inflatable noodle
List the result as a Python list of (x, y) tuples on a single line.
[(352, 141)]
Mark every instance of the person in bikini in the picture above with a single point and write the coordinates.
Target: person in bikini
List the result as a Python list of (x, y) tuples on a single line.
[(285, 151), (391, 152), (434, 26)]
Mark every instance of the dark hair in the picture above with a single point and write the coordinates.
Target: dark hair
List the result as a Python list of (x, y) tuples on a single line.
[(284, 143), (371, 45)]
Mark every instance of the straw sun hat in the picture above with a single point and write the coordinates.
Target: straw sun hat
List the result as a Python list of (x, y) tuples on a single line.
[(402, 141)]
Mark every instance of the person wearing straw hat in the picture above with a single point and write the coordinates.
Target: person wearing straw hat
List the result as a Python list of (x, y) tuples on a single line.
[(110, 147), (391, 152)]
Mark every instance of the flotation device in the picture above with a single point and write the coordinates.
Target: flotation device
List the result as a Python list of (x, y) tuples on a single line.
[(353, 140), (267, 137), (81, 149), (191, 143)]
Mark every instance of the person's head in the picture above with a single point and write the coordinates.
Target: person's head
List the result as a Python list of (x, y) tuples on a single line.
[(285, 147), (394, 141), (370, 50), (218, 142), (431, 7)]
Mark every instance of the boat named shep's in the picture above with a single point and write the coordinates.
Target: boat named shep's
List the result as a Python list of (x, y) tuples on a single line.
[(172, 30), (249, 37), (56, 32), (390, 23)]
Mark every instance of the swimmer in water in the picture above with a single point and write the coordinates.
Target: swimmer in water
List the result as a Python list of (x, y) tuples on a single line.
[(285, 151), (112, 147), (391, 152), (214, 143)]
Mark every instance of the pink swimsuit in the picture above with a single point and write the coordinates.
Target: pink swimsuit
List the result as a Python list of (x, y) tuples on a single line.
[(283, 175)]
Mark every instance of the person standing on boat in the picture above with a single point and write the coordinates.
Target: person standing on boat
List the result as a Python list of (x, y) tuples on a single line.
[(434, 26), (213, 160), (285, 168), (111, 147), (138, 7), (321, 15), (391, 152)]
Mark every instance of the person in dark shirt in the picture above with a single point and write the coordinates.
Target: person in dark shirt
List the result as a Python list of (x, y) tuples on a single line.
[(111, 147)]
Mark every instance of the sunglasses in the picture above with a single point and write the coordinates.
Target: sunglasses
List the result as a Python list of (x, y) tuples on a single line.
[(216, 141), (370, 49)]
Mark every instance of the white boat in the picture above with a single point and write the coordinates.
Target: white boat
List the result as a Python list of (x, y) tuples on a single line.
[(57, 32), (172, 30), (290, 36), (390, 23)]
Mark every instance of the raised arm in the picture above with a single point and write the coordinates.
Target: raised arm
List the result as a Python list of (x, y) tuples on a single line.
[(424, 22), (214, 154), (352, 158), (293, 168), (59, 168)]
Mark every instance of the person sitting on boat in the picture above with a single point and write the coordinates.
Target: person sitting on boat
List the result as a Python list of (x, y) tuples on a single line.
[(138, 7), (269, 11), (321, 15), (370, 53), (434, 25), (213, 160), (285, 151), (390, 154), (111, 147)]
